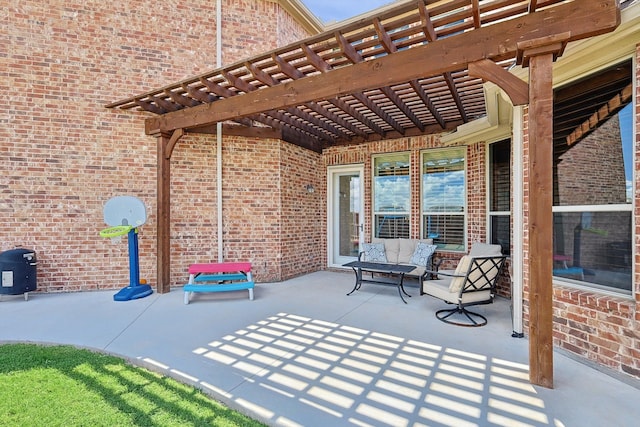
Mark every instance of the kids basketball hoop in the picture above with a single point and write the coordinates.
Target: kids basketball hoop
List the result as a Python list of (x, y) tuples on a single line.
[(124, 214), (115, 233)]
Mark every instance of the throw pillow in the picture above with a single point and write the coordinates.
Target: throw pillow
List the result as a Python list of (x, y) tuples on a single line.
[(422, 254), (374, 252)]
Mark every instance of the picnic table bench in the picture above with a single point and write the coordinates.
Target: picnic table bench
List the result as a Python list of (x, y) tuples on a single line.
[(219, 277)]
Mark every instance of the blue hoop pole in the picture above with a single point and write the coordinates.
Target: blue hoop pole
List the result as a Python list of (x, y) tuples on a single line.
[(134, 267)]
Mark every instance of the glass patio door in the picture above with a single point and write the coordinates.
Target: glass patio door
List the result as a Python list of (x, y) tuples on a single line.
[(345, 213)]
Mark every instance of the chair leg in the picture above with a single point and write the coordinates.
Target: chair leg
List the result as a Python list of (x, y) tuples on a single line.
[(473, 319)]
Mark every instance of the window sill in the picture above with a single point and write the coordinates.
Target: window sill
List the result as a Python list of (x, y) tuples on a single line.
[(593, 289)]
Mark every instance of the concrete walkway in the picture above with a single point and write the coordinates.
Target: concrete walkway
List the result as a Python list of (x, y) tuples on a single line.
[(305, 354)]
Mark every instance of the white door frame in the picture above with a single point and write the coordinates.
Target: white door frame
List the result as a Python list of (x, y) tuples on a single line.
[(333, 260)]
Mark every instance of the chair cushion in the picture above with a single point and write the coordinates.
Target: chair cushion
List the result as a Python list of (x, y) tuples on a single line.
[(484, 249), (481, 276), (439, 288), (462, 269), (374, 252), (422, 253), (484, 274)]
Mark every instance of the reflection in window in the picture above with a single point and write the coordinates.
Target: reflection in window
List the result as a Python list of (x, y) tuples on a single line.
[(349, 214), (391, 195), (443, 198), (593, 181)]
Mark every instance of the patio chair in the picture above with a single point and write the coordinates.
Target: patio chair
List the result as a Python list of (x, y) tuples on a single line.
[(472, 283)]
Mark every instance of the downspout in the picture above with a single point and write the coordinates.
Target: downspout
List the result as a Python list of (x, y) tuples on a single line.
[(517, 260), (219, 136)]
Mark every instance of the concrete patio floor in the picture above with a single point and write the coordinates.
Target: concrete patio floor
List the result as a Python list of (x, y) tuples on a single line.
[(305, 354)]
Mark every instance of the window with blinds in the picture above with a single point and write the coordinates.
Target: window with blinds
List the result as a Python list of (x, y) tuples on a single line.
[(444, 198), (391, 195)]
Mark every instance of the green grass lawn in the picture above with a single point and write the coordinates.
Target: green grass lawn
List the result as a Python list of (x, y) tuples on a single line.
[(65, 386)]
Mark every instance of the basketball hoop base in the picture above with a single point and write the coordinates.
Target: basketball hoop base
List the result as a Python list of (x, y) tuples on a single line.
[(133, 292)]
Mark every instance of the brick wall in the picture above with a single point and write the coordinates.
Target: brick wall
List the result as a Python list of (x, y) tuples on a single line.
[(64, 154), (303, 236)]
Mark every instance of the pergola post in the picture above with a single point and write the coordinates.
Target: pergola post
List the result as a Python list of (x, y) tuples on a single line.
[(164, 216), (165, 144), (539, 56), (541, 222)]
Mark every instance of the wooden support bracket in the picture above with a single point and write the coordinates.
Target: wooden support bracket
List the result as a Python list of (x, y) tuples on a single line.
[(175, 137), (517, 90)]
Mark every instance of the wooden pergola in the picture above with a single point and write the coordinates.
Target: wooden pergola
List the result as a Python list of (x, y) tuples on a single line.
[(418, 68)]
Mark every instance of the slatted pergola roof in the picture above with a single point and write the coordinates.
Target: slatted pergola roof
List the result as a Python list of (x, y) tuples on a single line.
[(428, 103)]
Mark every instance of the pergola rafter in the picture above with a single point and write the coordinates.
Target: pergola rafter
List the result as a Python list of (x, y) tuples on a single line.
[(417, 68)]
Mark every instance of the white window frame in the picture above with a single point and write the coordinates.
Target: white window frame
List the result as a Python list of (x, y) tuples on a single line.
[(464, 212), (375, 213), (593, 287), (490, 213)]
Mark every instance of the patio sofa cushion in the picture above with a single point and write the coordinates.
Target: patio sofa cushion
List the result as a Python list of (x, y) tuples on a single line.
[(402, 251)]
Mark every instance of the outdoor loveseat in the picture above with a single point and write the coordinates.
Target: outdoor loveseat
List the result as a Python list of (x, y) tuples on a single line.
[(418, 253)]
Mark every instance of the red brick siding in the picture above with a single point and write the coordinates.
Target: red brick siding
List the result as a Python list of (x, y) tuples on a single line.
[(252, 207), (249, 28), (303, 236), (289, 31), (64, 154)]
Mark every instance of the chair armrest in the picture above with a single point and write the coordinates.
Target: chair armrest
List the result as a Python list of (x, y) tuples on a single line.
[(432, 273), (436, 261), (436, 273), (360, 256)]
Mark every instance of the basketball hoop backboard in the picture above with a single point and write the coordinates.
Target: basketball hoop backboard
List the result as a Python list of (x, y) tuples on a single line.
[(125, 210)]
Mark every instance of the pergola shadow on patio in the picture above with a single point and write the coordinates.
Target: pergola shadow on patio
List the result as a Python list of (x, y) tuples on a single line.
[(304, 353)]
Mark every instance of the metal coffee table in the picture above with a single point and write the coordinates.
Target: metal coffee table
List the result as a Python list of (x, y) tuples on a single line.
[(395, 271)]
